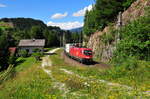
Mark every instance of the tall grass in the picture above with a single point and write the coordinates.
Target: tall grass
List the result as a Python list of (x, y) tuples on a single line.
[(30, 84), (7, 74), (24, 63)]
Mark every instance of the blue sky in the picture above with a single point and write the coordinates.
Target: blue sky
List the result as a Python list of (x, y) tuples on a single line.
[(67, 14)]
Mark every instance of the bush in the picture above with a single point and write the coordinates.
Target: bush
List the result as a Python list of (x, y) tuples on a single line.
[(108, 38), (130, 63), (36, 50), (37, 54), (12, 59), (23, 53), (134, 41)]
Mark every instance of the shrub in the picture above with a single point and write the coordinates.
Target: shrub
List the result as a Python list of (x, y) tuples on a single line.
[(134, 41), (23, 53), (36, 50), (130, 63), (12, 59), (108, 38), (37, 54)]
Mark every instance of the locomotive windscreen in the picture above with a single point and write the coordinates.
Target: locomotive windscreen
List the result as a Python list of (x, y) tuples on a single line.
[(88, 52)]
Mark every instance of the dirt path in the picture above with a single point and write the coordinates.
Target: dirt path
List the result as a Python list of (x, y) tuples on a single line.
[(47, 62), (99, 80), (129, 88)]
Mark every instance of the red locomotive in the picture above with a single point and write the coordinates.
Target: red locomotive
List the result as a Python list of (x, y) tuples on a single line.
[(79, 53)]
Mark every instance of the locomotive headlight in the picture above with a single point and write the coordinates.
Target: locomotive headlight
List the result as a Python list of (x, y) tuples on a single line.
[(82, 51)]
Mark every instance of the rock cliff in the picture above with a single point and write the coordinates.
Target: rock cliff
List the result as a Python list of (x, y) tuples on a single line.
[(104, 51)]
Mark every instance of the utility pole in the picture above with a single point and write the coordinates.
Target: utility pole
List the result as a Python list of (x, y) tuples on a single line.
[(64, 39), (80, 39), (60, 41), (119, 25)]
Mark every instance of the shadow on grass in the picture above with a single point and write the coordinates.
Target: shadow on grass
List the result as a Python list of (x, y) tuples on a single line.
[(99, 64), (50, 53), (91, 63)]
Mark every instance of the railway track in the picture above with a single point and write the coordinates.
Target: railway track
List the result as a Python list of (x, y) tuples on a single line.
[(77, 63)]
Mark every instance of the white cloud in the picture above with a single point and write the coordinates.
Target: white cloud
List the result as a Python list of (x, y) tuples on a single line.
[(2, 5), (66, 25), (59, 15), (82, 11)]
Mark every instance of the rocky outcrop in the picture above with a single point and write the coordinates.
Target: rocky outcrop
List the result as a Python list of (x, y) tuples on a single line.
[(135, 10), (105, 51)]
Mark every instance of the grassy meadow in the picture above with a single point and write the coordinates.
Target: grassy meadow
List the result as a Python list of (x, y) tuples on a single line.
[(30, 82), (75, 82)]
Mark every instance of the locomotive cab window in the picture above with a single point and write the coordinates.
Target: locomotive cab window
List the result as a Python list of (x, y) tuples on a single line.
[(88, 52)]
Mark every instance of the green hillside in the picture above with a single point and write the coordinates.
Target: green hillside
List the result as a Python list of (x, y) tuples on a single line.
[(12, 30), (24, 23)]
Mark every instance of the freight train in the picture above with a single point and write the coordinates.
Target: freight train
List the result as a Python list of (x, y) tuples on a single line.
[(81, 54)]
